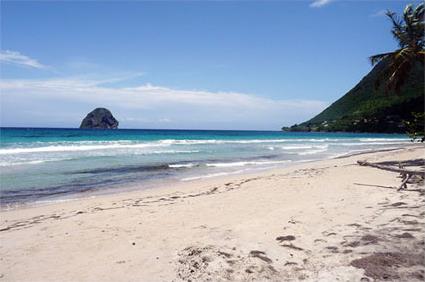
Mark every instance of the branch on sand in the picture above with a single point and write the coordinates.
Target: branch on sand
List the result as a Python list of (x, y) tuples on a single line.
[(406, 174)]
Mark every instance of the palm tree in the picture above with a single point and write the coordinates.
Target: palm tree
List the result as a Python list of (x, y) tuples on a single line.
[(409, 33)]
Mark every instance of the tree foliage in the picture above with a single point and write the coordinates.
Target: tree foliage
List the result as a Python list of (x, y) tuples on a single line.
[(408, 31), (416, 127)]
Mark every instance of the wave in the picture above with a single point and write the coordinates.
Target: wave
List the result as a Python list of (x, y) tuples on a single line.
[(22, 163), (73, 148), (107, 145), (298, 147), (312, 152), (233, 164), (251, 141), (217, 141), (293, 149), (188, 165), (167, 152), (31, 162), (260, 141), (93, 146), (131, 144), (383, 139), (364, 143)]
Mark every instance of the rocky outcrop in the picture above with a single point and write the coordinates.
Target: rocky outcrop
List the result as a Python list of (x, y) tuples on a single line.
[(99, 118)]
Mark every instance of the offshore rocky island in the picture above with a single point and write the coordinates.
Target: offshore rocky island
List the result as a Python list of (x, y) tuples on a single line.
[(99, 118)]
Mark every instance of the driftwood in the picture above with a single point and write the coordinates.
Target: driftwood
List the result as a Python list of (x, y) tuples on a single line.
[(393, 169), (403, 185), (406, 174)]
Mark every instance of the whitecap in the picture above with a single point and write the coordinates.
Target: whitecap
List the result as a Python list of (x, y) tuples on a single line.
[(188, 165), (74, 148), (312, 152), (233, 164)]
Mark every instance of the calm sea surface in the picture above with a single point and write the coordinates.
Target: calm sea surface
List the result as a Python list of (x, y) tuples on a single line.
[(41, 164)]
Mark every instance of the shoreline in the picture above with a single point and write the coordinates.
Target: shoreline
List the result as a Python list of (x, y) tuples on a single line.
[(155, 184), (316, 221), (66, 164)]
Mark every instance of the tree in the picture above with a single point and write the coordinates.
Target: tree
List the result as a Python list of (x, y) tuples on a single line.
[(409, 33), (416, 127)]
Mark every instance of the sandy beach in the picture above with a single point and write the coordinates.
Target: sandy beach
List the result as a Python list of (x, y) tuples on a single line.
[(330, 220)]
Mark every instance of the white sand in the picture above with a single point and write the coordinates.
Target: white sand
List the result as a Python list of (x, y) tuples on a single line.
[(227, 229)]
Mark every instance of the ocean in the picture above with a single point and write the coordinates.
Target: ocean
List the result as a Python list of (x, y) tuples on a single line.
[(45, 164)]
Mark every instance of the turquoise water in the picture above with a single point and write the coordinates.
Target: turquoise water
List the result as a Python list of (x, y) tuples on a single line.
[(40, 164)]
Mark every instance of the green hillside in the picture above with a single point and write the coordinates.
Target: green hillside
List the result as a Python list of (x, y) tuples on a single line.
[(369, 108)]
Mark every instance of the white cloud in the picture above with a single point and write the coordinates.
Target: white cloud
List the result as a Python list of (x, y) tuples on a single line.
[(319, 3), (66, 101), (16, 58)]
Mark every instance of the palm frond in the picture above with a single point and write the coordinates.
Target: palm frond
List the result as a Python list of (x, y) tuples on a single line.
[(397, 23), (408, 16), (379, 57), (402, 38), (406, 54), (419, 12), (397, 30), (409, 32), (408, 10)]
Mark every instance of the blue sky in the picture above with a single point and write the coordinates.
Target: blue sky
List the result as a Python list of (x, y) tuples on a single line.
[(200, 65)]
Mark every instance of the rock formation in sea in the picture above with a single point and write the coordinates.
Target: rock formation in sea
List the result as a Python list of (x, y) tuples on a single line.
[(99, 118)]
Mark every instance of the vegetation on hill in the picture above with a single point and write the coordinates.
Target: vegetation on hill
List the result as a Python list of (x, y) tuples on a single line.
[(390, 99)]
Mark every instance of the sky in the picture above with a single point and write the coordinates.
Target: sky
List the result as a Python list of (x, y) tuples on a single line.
[(250, 65)]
